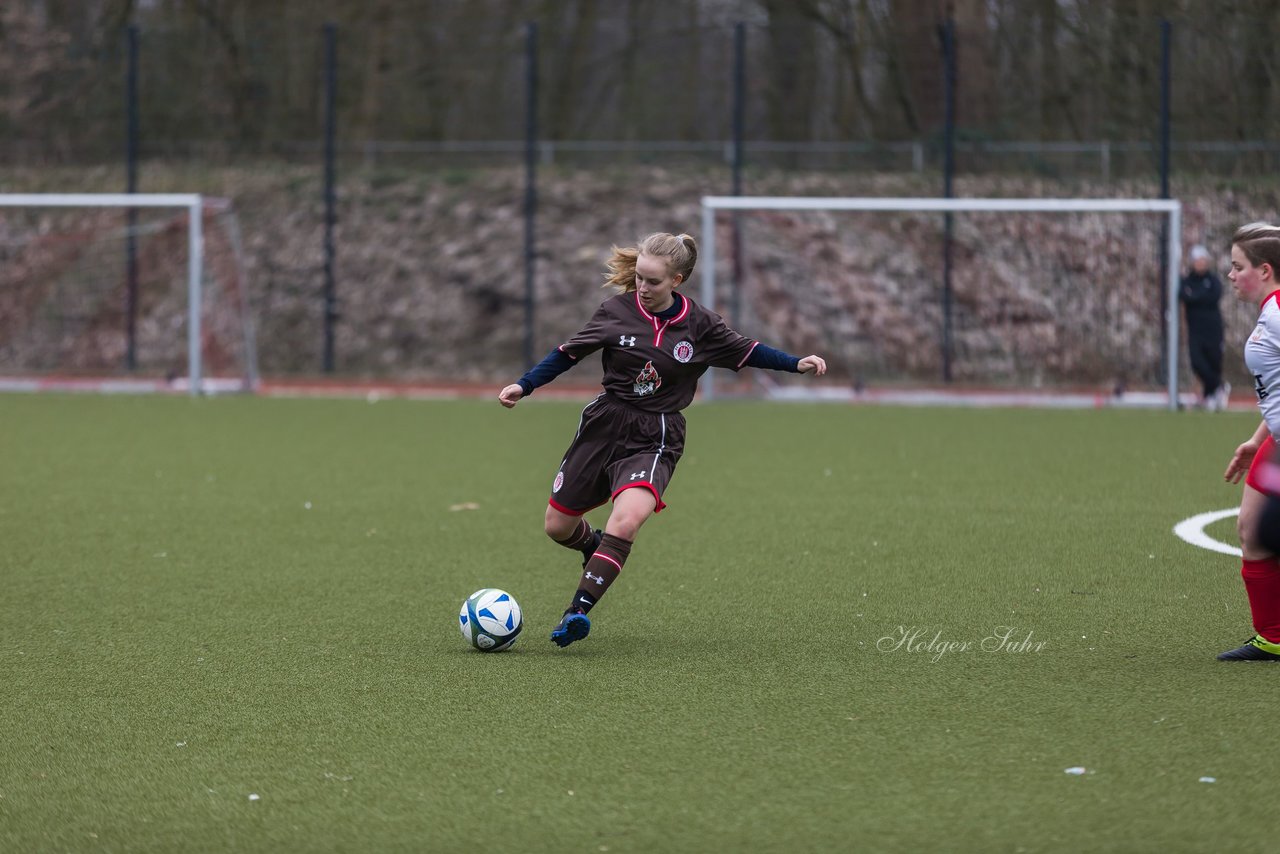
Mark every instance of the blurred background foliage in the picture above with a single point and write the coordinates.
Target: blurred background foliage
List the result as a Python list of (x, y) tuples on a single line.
[(230, 78)]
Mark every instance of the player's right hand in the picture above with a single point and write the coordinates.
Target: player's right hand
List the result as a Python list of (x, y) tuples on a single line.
[(815, 365), (1240, 461), (510, 395)]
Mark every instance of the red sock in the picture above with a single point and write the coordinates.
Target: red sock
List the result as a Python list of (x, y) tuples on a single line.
[(1262, 583)]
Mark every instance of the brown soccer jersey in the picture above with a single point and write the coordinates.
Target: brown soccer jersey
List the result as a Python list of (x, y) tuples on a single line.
[(654, 364)]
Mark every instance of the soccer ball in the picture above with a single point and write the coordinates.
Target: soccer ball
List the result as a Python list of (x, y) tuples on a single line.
[(490, 620)]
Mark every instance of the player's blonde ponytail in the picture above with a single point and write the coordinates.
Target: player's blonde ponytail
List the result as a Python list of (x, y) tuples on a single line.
[(680, 250)]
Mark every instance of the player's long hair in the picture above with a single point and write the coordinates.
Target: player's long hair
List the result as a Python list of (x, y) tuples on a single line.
[(680, 250), (1260, 243)]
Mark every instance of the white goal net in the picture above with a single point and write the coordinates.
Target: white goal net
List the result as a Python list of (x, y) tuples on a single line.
[(129, 291), (998, 296)]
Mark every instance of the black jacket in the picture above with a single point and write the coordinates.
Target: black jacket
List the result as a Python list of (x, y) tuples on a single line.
[(1201, 295)]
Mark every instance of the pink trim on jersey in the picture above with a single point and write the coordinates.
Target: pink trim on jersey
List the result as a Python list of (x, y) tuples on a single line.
[(749, 352), (657, 341), (604, 556), (684, 311), (660, 327), (646, 485), (570, 355), (1273, 295), (653, 320)]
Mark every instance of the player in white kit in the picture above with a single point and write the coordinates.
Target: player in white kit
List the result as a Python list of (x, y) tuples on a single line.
[(1255, 278)]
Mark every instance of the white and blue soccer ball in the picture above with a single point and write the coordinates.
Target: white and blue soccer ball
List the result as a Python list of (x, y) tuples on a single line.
[(490, 620)]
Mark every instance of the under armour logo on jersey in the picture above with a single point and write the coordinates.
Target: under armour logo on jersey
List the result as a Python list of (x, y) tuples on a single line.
[(626, 340), (596, 578), (636, 475)]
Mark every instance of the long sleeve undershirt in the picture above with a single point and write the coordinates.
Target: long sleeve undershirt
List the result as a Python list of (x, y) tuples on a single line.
[(556, 363)]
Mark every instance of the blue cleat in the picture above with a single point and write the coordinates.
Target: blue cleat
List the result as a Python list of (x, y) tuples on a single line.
[(573, 627), (1256, 648)]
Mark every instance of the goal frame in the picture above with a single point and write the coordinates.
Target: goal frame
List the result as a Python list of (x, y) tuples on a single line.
[(1171, 208), (194, 205)]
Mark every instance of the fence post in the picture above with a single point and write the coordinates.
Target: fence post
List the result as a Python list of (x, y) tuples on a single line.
[(330, 216), (131, 182), (1166, 307), (739, 125), (530, 184), (948, 171)]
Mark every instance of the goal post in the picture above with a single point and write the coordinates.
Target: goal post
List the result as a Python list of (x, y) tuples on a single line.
[(69, 261), (1169, 209)]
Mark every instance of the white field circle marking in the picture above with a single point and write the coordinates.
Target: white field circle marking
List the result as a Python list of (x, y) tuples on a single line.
[(1192, 531)]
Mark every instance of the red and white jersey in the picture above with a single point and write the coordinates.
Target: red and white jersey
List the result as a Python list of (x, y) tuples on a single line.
[(1262, 355)]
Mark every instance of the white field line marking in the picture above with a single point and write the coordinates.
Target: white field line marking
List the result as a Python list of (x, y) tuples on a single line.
[(1192, 531)]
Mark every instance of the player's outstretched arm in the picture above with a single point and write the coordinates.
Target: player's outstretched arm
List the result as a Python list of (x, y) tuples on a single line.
[(510, 395), (764, 356), (555, 364), (815, 365)]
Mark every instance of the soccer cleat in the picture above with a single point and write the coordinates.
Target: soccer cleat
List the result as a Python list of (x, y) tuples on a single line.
[(574, 627), (1256, 648), (596, 536)]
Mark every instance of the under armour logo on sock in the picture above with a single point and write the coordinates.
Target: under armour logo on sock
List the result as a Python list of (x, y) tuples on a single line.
[(597, 579)]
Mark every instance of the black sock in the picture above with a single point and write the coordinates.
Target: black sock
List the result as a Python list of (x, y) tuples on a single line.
[(601, 571)]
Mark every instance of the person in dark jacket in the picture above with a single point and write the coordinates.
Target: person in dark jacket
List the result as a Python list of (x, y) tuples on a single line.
[(1200, 293)]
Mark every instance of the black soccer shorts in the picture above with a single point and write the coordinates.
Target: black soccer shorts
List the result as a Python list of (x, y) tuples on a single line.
[(617, 447)]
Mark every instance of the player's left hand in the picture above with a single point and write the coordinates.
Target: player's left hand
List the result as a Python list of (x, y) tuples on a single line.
[(815, 365)]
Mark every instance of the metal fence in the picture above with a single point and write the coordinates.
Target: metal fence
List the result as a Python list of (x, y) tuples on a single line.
[(780, 93), (281, 115)]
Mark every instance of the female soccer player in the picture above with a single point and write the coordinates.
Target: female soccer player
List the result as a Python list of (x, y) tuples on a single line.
[(656, 344), (1255, 278)]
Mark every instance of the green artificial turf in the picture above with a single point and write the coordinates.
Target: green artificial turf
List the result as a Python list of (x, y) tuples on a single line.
[(179, 630)]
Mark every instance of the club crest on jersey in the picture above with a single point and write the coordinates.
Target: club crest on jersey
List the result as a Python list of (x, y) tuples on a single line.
[(647, 381), (683, 351), (559, 482)]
